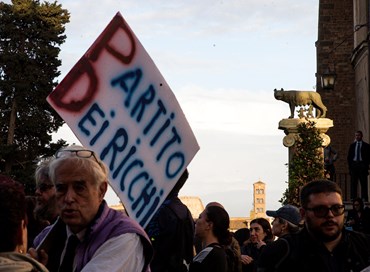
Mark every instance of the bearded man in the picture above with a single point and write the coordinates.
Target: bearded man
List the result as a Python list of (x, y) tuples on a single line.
[(323, 244)]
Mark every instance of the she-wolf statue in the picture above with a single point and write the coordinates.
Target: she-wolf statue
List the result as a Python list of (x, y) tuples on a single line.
[(302, 98)]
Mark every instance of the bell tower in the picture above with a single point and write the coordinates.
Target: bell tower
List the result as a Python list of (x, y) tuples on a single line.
[(259, 199)]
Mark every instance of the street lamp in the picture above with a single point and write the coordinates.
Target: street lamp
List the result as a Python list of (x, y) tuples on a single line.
[(328, 80)]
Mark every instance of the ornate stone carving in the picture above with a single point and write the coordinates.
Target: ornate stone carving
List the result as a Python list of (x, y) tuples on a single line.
[(290, 127), (289, 140), (325, 139)]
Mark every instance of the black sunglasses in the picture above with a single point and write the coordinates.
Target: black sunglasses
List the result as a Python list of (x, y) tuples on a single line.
[(323, 211)]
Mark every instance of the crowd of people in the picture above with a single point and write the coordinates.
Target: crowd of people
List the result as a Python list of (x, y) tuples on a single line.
[(79, 232)]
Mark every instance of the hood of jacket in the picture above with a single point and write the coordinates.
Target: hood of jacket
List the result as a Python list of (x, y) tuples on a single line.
[(16, 262)]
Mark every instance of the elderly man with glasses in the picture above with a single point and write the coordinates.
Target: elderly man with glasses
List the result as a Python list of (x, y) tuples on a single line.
[(323, 244), (89, 236)]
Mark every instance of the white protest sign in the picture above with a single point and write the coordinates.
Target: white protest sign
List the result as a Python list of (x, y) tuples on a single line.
[(118, 104)]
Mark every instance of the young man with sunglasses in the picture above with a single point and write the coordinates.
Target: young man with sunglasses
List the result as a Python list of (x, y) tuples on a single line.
[(323, 244), (89, 236)]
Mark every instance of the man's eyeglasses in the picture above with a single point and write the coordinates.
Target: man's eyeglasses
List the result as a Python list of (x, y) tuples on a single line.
[(323, 211), (81, 153), (43, 187)]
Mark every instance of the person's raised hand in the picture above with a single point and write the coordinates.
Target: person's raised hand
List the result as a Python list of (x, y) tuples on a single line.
[(40, 256), (246, 259)]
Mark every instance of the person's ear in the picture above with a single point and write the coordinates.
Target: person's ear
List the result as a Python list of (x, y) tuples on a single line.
[(284, 226), (20, 234), (22, 237), (103, 187)]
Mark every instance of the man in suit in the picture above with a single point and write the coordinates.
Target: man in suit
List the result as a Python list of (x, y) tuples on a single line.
[(358, 163)]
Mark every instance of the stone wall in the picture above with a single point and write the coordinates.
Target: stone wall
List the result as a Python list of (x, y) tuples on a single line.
[(334, 48)]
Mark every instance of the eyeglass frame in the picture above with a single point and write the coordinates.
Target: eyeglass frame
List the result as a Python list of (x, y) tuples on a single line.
[(315, 210), (76, 151)]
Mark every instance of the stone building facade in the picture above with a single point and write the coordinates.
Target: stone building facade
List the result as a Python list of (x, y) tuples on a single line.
[(342, 47)]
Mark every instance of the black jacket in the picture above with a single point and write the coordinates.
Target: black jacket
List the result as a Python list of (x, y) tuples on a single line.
[(300, 252), (171, 231)]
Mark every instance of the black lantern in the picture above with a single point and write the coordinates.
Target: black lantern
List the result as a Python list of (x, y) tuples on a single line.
[(328, 80)]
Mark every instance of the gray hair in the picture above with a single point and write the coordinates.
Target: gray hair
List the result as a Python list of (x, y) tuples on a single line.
[(92, 163), (42, 171), (292, 228)]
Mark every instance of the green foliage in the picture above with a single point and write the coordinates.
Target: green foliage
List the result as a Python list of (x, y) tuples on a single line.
[(30, 36), (307, 163)]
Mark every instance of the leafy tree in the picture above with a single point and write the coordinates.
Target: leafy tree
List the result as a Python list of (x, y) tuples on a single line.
[(307, 162), (30, 35)]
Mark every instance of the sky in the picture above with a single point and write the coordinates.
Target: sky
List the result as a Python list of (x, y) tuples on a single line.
[(222, 60)]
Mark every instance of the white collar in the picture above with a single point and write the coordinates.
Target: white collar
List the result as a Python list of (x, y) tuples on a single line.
[(80, 235)]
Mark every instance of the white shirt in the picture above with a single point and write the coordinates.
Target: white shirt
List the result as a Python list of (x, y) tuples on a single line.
[(123, 253)]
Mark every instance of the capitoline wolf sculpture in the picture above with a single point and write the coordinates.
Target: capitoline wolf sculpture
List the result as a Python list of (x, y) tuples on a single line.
[(300, 99)]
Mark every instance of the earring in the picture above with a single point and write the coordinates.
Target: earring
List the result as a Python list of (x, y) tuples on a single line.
[(21, 249)]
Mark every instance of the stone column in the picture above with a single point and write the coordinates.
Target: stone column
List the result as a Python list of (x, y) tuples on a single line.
[(291, 131)]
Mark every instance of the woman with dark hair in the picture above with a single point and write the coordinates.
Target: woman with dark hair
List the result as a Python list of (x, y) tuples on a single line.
[(358, 218), (260, 235), (13, 235), (212, 228)]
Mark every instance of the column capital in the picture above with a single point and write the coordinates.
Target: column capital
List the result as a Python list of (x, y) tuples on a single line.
[(290, 127)]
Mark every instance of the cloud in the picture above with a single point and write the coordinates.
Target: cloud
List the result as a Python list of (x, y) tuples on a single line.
[(232, 110)]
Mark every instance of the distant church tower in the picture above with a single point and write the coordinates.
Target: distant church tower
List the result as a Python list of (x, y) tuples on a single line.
[(259, 200)]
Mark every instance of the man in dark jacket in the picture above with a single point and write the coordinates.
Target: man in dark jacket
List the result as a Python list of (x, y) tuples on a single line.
[(171, 231), (358, 163), (324, 244)]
